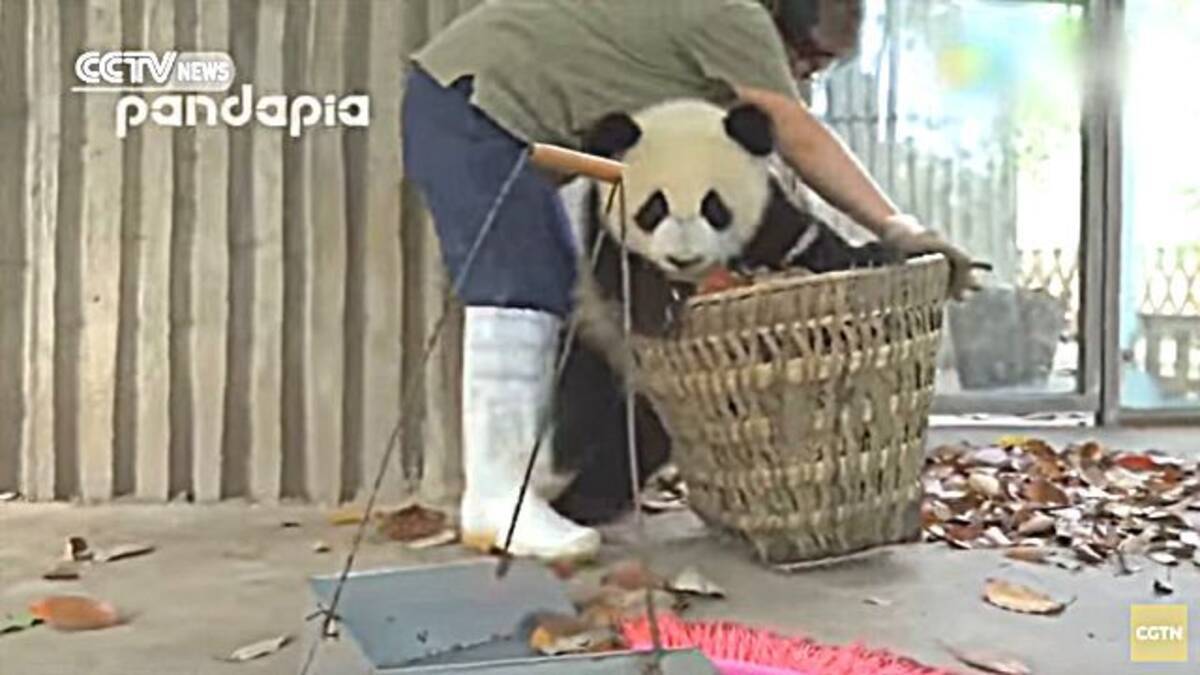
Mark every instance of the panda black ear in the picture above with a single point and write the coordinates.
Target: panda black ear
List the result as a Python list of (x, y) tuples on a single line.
[(612, 135), (751, 128)]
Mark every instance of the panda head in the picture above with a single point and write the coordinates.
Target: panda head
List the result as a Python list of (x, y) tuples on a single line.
[(696, 182)]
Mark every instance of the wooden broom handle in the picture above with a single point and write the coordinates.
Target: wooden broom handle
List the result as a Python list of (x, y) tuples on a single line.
[(574, 163)]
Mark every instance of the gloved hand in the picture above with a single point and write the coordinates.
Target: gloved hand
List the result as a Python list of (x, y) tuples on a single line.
[(906, 233)]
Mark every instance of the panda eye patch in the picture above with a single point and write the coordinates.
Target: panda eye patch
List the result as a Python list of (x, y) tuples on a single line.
[(652, 212), (715, 212)]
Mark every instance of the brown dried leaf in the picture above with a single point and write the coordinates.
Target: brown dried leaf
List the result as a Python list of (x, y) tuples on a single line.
[(1019, 598), (989, 662), (320, 547), (123, 551), (631, 575), (1029, 554), (877, 602), (1136, 462), (963, 536), (412, 523), (75, 613), (1042, 491)]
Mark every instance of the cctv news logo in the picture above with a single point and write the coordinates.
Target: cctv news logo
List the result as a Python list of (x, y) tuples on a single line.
[(185, 86)]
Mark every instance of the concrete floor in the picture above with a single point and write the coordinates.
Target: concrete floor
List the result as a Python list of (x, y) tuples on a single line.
[(227, 575)]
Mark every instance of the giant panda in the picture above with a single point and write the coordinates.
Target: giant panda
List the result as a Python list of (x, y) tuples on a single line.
[(699, 193)]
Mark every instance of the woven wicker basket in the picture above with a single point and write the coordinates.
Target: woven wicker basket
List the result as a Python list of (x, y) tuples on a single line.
[(798, 406)]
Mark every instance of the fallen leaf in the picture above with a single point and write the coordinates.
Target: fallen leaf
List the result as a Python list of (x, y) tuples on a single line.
[(63, 571), (1163, 586), (1136, 462), (76, 550), (351, 515), (1029, 554), (1086, 553), (1064, 562), (8, 496), (1163, 558), (290, 524), (989, 662), (258, 650), (997, 537), (963, 536), (631, 575), (985, 484), (320, 547), (878, 602), (1012, 441), (1042, 491), (612, 605), (1190, 538), (1018, 598), (123, 551), (692, 582), (1038, 523), (412, 523), (15, 623), (75, 613), (443, 538), (993, 457)]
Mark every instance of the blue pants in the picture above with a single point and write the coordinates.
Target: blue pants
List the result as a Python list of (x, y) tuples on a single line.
[(458, 158)]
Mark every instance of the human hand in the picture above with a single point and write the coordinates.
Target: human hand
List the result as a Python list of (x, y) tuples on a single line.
[(906, 233)]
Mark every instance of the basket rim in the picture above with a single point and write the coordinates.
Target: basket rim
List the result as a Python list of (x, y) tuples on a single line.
[(791, 279)]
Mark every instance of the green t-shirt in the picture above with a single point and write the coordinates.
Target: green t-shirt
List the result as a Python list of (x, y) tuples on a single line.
[(546, 70)]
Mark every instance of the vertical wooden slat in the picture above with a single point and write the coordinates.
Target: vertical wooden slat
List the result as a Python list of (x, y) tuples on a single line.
[(297, 221), (99, 250), (41, 223), (374, 404), (143, 388), (236, 442), (210, 272), (266, 346), (200, 268), (327, 261), (16, 272)]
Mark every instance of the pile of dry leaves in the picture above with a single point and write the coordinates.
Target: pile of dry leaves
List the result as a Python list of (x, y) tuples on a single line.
[(621, 595), (1070, 507)]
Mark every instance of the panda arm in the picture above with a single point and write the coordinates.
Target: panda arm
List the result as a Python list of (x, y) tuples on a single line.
[(790, 237)]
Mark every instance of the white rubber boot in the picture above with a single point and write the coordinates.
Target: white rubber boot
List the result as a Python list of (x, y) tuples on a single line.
[(508, 371)]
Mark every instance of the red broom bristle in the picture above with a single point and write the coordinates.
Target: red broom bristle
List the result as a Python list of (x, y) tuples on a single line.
[(735, 644)]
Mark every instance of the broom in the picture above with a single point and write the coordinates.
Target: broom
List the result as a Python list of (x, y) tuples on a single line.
[(736, 649)]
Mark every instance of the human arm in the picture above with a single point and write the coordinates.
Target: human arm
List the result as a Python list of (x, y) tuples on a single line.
[(824, 163)]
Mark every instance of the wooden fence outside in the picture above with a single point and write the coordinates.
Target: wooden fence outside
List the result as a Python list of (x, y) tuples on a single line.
[(217, 312)]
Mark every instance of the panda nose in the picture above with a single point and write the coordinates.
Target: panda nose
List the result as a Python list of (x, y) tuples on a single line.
[(684, 263)]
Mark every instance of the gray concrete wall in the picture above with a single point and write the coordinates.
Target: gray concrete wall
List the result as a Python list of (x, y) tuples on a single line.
[(222, 312)]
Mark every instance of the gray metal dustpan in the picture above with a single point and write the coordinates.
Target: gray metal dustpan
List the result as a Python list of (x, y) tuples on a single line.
[(456, 618)]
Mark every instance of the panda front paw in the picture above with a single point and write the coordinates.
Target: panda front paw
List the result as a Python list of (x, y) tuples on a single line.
[(876, 254)]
